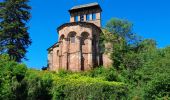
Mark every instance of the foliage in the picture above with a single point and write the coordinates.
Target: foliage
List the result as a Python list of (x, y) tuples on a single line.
[(140, 72), (14, 38), (11, 78), (79, 87), (121, 28), (118, 38), (18, 82), (39, 85), (140, 64)]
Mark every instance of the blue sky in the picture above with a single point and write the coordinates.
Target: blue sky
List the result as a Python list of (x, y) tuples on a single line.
[(151, 19)]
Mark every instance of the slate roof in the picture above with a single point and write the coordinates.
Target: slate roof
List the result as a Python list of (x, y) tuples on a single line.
[(85, 5), (54, 45)]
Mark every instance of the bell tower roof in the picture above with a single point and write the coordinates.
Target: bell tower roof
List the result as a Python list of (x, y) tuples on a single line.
[(94, 5)]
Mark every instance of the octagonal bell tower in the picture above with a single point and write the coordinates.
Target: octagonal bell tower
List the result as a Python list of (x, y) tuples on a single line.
[(86, 13)]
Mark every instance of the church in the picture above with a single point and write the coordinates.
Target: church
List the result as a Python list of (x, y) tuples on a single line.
[(77, 48)]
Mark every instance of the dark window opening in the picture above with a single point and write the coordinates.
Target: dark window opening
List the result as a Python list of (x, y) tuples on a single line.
[(75, 18), (88, 17), (82, 18), (72, 39), (94, 16)]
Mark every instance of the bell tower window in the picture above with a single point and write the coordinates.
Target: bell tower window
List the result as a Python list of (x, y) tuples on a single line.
[(88, 17), (81, 18), (75, 18), (94, 16)]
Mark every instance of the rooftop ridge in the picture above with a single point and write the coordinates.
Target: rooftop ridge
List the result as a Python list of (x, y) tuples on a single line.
[(85, 5)]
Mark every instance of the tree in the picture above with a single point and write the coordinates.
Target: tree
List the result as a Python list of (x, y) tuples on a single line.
[(120, 35), (14, 36), (122, 28)]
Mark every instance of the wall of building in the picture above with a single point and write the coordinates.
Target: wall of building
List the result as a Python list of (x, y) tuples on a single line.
[(84, 54), (76, 56)]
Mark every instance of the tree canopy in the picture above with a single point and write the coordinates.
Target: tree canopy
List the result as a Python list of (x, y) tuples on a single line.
[(14, 36)]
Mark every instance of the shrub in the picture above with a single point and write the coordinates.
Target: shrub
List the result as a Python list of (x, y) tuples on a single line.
[(158, 88), (11, 79), (84, 88)]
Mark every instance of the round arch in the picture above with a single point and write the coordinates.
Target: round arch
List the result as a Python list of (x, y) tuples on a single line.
[(62, 37), (71, 37), (84, 37)]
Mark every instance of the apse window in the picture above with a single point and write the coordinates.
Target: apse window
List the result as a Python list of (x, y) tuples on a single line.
[(82, 18), (88, 17), (76, 18), (57, 52), (72, 39), (94, 16)]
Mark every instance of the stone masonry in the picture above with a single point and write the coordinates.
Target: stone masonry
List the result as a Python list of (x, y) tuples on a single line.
[(78, 45)]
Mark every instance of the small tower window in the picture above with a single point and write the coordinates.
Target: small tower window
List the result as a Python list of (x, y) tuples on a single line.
[(88, 17), (75, 18), (94, 16), (81, 18)]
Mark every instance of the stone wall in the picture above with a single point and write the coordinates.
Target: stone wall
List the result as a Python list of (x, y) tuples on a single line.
[(77, 56)]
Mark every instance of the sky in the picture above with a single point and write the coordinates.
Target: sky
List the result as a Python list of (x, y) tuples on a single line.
[(150, 18)]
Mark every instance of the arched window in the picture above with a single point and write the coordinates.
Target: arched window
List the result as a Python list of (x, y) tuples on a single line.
[(72, 37), (61, 37), (57, 52), (84, 36)]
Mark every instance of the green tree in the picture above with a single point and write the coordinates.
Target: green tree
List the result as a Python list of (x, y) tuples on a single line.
[(122, 28), (14, 36), (119, 34)]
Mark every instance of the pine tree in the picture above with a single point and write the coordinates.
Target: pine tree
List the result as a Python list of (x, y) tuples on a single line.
[(14, 36)]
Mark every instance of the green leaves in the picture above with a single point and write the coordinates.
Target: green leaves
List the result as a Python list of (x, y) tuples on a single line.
[(13, 29), (122, 28), (139, 63), (11, 78)]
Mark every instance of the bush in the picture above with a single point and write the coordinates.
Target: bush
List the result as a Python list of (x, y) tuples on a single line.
[(85, 88), (109, 74), (158, 88), (11, 79), (39, 84)]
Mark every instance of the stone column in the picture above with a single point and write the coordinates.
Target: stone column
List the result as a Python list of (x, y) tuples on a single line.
[(90, 59), (85, 17), (78, 17), (64, 54), (98, 51), (78, 38), (71, 18), (67, 52), (60, 51)]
